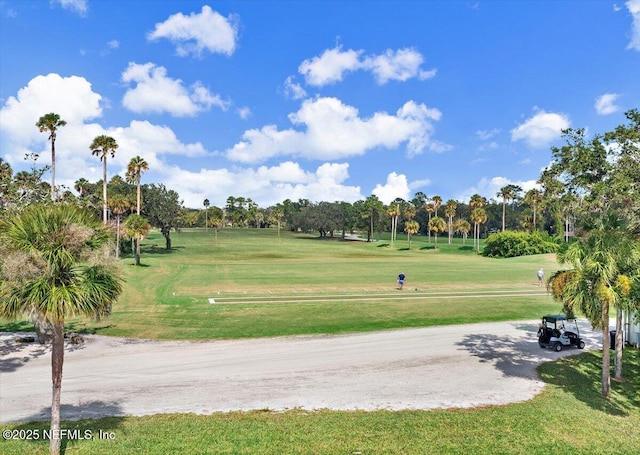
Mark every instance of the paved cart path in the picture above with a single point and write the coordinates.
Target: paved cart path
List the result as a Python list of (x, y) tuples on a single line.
[(426, 368)]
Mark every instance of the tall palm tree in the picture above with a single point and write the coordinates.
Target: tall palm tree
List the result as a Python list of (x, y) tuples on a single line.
[(437, 202), (103, 146), (135, 168), (118, 205), (394, 212), (411, 227), (429, 208), (477, 202), (463, 227), (206, 204), (57, 275), (409, 214), (436, 225), (450, 212), (593, 285), (533, 197), (50, 123), (508, 193), (137, 228)]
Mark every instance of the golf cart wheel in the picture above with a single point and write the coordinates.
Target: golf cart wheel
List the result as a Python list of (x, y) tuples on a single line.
[(580, 344), (557, 347)]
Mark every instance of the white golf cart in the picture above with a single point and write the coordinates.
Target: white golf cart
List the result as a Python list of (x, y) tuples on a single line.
[(557, 332)]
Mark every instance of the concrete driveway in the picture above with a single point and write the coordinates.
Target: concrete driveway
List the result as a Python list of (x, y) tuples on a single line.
[(438, 367)]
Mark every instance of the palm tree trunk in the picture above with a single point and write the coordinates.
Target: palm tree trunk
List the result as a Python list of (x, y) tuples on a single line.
[(504, 205), (57, 358), (137, 252), (606, 357), (104, 189), (118, 237), (53, 169), (138, 197)]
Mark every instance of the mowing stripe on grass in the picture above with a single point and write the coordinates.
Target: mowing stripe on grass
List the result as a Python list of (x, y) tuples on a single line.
[(368, 297)]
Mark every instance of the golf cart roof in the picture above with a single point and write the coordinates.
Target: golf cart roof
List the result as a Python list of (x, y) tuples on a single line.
[(555, 317)]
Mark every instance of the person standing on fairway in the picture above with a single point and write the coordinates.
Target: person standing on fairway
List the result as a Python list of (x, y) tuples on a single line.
[(401, 279), (540, 276)]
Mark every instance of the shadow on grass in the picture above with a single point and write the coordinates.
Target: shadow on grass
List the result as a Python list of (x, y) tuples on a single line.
[(466, 248), (79, 422), (580, 376), (158, 250), (428, 247)]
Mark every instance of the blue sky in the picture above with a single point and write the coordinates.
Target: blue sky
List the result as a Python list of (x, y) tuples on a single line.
[(323, 100)]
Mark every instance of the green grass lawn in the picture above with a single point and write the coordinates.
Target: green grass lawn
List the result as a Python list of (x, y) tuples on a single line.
[(167, 298), (299, 284)]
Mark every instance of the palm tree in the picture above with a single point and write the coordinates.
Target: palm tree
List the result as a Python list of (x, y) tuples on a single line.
[(50, 123), (437, 202), (409, 215), (450, 212), (593, 285), (463, 227), (137, 228), (533, 197), (118, 205), (82, 186), (477, 202), (508, 193), (56, 274), (103, 146), (436, 225), (206, 204), (411, 227), (135, 168), (430, 208), (394, 212), (478, 217)]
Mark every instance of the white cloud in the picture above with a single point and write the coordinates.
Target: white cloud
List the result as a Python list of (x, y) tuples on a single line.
[(293, 90), (395, 187), (265, 185), (417, 184), (541, 129), (80, 7), (70, 97), (155, 92), (113, 44), (399, 65), (634, 9), (333, 64), (333, 130), (244, 112), (196, 33), (487, 134), (489, 187), (605, 104), (330, 67)]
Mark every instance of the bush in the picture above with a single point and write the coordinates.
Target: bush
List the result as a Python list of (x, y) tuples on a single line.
[(509, 244)]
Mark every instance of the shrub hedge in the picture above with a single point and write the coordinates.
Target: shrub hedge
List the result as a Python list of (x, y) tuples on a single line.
[(509, 244)]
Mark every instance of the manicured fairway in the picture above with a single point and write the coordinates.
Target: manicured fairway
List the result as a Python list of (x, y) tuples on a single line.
[(299, 284)]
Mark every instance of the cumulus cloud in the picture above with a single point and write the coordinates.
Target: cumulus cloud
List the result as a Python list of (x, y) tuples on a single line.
[(293, 90), (541, 129), (197, 33), (155, 92), (330, 129), (70, 97), (489, 187), (330, 67), (79, 7), (606, 104), (399, 65), (395, 187), (333, 64), (634, 9), (265, 185)]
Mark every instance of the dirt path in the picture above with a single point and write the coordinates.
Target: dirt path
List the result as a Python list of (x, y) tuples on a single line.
[(437, 367)]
